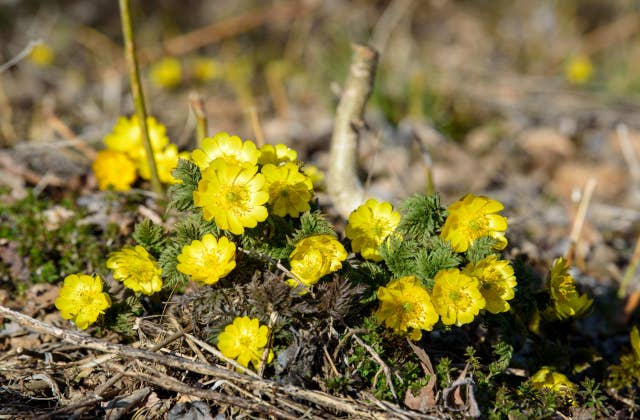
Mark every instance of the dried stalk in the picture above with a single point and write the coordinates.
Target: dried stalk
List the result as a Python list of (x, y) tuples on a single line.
[(136, 91), (344, 187), (259, 385)]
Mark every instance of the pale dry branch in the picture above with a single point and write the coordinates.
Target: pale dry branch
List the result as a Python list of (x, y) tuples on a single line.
[(326, 401), (344, 186)]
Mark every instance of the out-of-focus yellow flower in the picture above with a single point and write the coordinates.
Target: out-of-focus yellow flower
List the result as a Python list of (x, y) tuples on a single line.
[(578, 69), (369, 226), (314, 257), (634, 337), (206, 69), (566, 302), (456, 297), (223, 146), (42, 55), (166, 162), (497, 282), (137, 269), (289, 190), (166, 73), (233, 195), (473, 217), (208, 260), (114, 169), (82, 300), (405, 307), (316, 176), (126, 137), (245, 340), (276, 155), (547, 378)]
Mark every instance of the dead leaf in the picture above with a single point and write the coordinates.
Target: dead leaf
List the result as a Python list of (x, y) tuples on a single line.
[(426, 398), (454, 399)]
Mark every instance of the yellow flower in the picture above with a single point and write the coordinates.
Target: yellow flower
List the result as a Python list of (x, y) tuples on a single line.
[(405, 307), (166, 73), (497, 282), (289, 190), (314, 257), (634, 338), (206, 69), (126, 137), (276, 155), (166, 162), (456, 297), (208, 260), (369, 225), (547, 378), (578, 69), (136, 269), (42, 55), (471, 218), (230, 148), (233, 195), (82, 300), (316, 176), (245, 340), (566, 302), (114, 169)]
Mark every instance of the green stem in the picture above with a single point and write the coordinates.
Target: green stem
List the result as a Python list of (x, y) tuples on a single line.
[(136, 90)]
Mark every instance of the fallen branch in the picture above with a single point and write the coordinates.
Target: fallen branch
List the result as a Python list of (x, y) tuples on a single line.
[(326, 401)]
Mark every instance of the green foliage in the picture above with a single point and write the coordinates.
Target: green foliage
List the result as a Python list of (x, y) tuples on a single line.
[(182, 193), (420, 258), (592, 397), (150, 236), (625, 374), (191, 227), (120, 317), (312, 223), (49, 249), (443, 372), (422, 216), (480, 249)]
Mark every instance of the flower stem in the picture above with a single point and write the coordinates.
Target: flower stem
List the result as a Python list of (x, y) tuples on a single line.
[(136, 90), (201, 119)]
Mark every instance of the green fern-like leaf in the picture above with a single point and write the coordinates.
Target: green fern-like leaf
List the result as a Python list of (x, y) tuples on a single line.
[(150, 236), (422, 215), (168, 261), (312, 223), (481, 248), (182, 193)]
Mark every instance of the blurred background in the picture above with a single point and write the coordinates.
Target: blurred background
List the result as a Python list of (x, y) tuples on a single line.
[(523, 101)]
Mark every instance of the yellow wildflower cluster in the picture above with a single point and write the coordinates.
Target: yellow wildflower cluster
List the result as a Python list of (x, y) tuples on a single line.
[(241, 184), (547, 378), (166, 73), (42, 55), (208, 260), (369, 226), (245, 340), (124, 158), (578, 70), (314, 257), (82, 300), (471, 218), (137, 269), (406, 307), (566, 302), (458, 294)]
